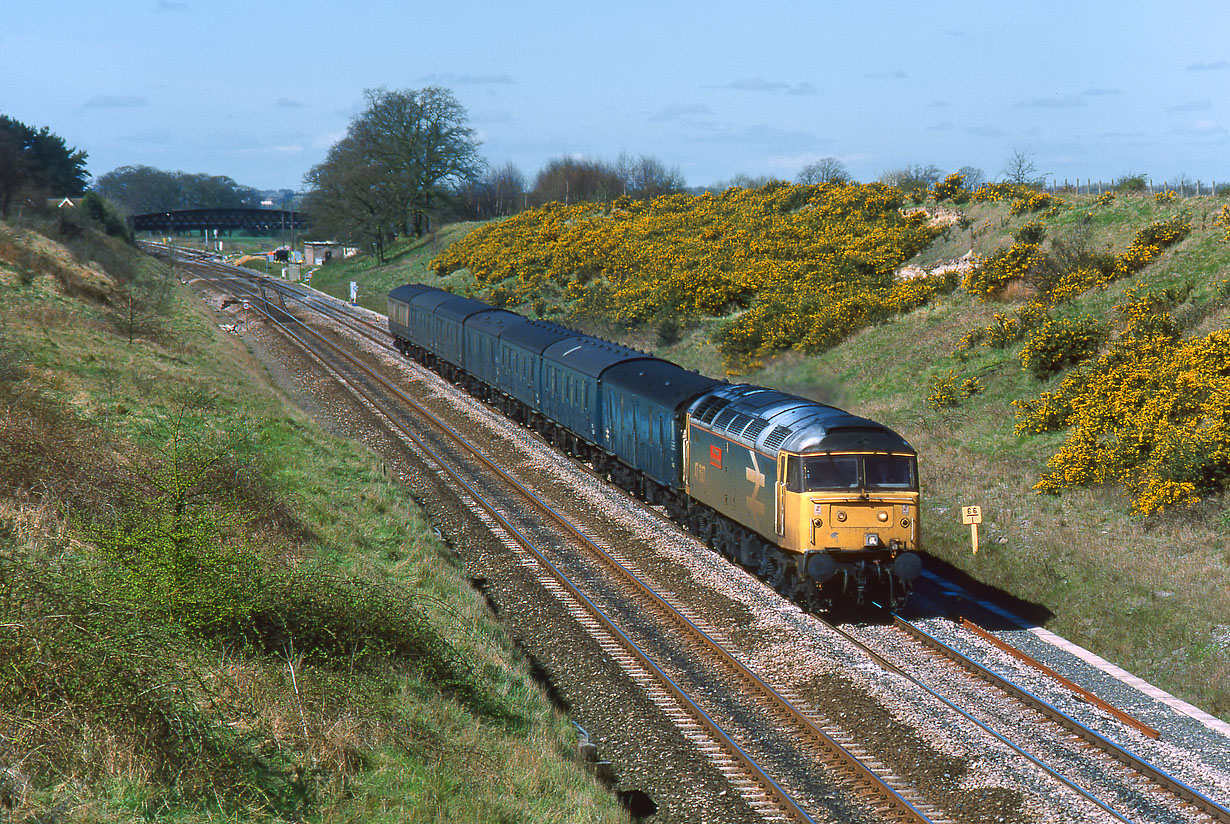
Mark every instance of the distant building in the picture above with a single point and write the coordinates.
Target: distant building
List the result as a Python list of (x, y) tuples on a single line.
[(320, 252)]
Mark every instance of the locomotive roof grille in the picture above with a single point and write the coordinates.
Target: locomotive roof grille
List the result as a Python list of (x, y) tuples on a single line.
[(777, 437), (754, 429), (709, 408), (724, 420)]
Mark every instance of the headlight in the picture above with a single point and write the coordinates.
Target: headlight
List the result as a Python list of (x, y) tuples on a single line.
[(841, 516), (882, 515), (905, 522)]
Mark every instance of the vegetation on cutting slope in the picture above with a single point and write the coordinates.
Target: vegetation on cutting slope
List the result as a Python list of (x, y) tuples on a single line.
[(790, 266), (1083, 558), (1086, 363), (191, 626)]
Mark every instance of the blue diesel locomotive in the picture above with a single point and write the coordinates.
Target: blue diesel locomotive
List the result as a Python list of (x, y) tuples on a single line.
[(821, 504)]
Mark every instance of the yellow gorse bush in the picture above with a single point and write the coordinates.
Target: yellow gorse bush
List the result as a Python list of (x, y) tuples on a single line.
[(800, 266), (1145, 249), (1016, 262), (1149, 413), (1223, 220), (1037, 202)]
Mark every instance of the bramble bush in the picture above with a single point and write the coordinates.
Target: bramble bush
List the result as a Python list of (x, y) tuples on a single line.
[(1148, 413)]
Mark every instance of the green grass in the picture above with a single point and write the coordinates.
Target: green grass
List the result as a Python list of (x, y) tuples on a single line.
[(292, 643), (406, 261), (1145, 592)]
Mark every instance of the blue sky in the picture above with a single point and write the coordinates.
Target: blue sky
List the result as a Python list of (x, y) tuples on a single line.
[(258, 90)]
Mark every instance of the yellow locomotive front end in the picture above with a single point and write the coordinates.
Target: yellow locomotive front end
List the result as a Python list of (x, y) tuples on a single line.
[(822, 503), (852, 518)]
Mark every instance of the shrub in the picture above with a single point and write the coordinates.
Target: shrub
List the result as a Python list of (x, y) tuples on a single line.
[(1148, 413), (105, 216), (951, 188), (1223, 220), (948, 390), (1017, 262), (803, 265), (1003, 330), (1131, 183), (1032, 201), (1061, 343)]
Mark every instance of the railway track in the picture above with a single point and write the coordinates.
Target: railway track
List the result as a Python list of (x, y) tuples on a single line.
[(650, 656), (667, 687), (1119, 767)]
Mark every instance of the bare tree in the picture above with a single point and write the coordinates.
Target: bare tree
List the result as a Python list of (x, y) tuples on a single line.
[(570, 180), (824, 170), (971, 177), (497, 193), (1021, 169), (647, 177), (914, 180)]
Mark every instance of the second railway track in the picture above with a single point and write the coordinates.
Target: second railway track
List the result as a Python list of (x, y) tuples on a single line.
[(751, 727)]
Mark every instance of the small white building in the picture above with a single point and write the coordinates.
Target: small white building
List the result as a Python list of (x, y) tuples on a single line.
[(320, 252)]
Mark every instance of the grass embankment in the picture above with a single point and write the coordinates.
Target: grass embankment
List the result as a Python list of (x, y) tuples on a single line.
[(1146, 591), (406, 261), (211, 609)]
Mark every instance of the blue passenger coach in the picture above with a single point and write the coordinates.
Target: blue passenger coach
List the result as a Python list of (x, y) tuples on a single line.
[(824, 505)]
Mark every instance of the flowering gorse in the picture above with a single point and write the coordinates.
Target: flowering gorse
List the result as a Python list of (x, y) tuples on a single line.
[(797, 266), (1149, 413)]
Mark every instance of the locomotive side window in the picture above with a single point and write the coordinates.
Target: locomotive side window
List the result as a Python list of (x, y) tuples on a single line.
[(889, 472), (831, 472), (794, 473)]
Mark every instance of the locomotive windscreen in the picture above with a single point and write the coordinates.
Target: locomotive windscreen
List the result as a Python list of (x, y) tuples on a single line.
[(833, 472)]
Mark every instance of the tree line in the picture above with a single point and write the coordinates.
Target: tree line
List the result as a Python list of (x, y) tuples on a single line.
[(410, 160), (139, 190)]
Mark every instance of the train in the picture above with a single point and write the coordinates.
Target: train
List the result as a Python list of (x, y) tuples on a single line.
[(821, 504)]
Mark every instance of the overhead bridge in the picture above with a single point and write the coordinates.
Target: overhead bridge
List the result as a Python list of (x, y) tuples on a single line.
[(222, 220)]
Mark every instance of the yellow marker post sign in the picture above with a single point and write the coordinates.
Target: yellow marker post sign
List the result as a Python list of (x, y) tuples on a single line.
[(972, 515)]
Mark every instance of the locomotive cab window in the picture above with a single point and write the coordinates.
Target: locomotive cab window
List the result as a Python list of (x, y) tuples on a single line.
[(830, 472), (889, 472), (816, 473)]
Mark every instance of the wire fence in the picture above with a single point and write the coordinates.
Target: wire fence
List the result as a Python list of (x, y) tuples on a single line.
[(1183, 187)]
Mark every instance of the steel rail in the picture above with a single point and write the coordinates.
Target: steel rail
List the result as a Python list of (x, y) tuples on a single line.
[(1203, 803), (785, 802), (892, 666), (1217, 811), (1066, 683), (906, 811)]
